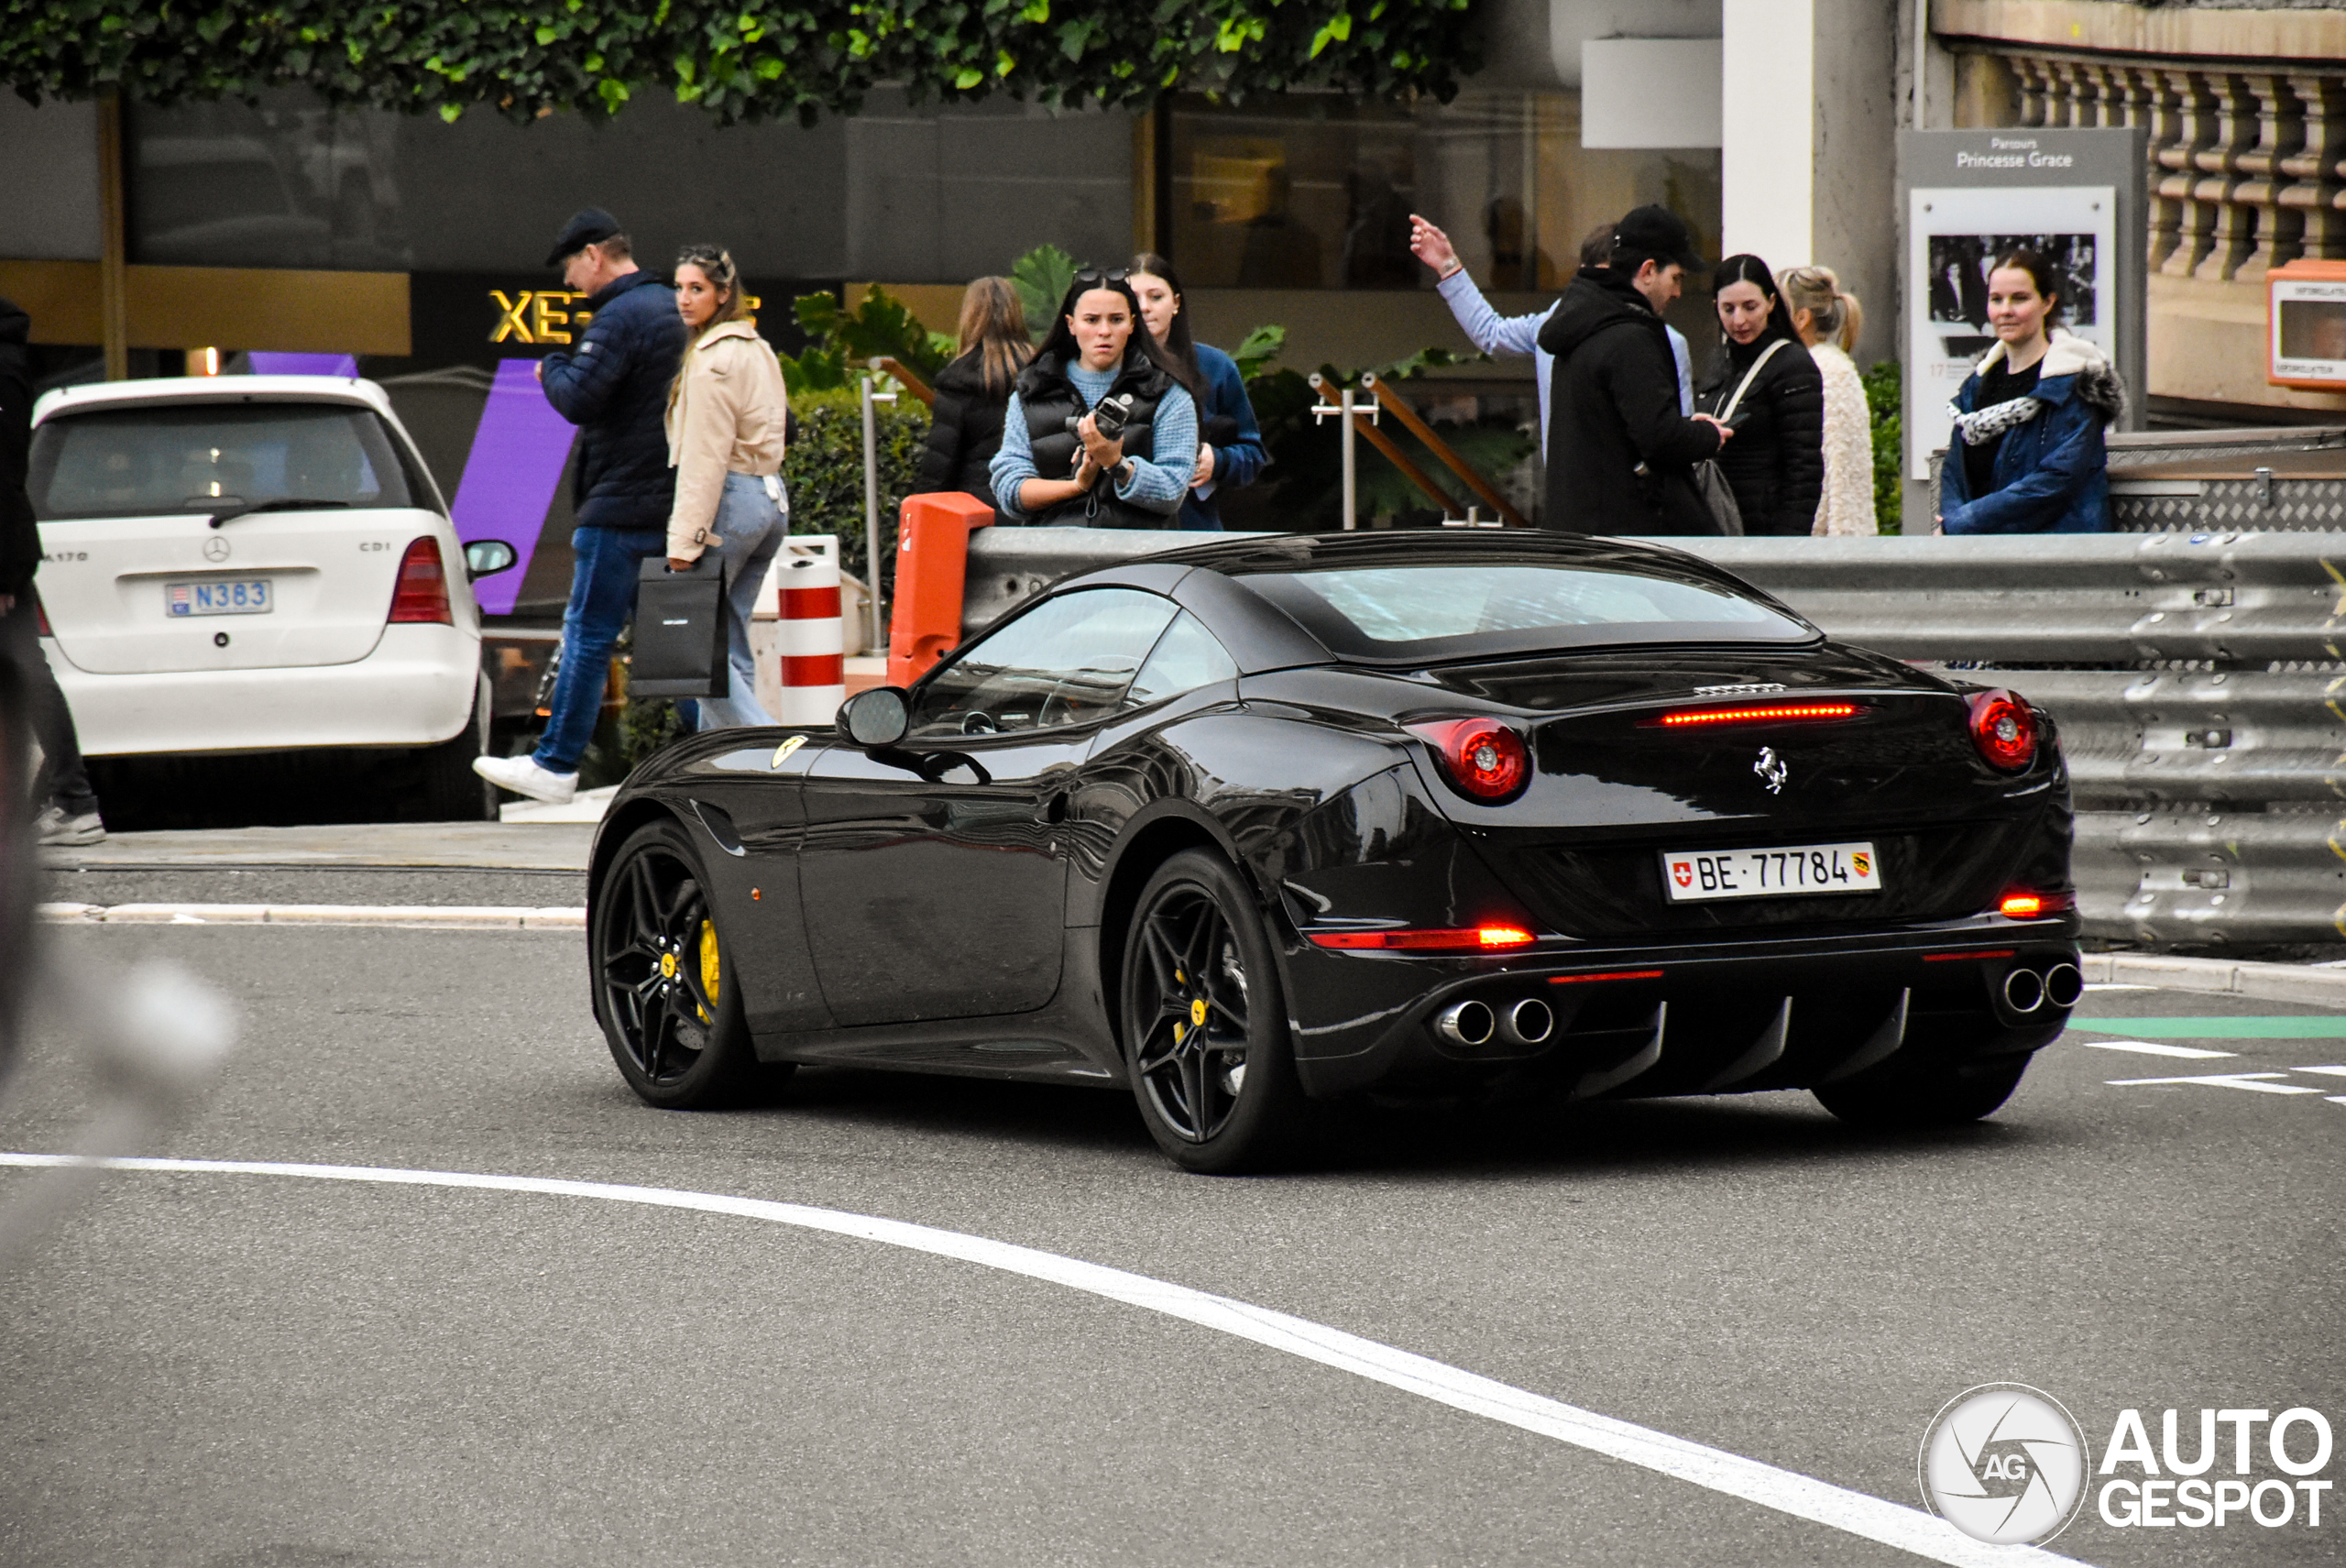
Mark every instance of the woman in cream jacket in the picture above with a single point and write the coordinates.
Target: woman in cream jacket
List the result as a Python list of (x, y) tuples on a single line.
[(726, 413)]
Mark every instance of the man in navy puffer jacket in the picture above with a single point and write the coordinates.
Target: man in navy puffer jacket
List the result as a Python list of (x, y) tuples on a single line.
[(616, 388)]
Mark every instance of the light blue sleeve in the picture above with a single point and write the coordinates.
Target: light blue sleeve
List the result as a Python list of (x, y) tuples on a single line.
[(1484, 327), (1685, 357), (1014, 464), (1159, 484)]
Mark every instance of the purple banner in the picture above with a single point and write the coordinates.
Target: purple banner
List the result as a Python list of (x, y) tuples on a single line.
[(510, 476), (304, 364)]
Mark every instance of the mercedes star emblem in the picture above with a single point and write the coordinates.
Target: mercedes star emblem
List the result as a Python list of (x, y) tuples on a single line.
[(216, 549), (1771, 770)]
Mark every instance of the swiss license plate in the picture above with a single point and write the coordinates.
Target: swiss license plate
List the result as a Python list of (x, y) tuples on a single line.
[(1693, 875), (242, 596)]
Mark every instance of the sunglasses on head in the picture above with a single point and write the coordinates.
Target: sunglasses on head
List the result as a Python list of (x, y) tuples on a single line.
[(1091, 277)]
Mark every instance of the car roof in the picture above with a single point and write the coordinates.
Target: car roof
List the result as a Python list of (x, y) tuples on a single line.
[(178, 390)]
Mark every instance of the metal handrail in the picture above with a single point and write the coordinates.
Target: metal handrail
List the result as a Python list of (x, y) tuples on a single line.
[(1388, 399), (912, 383)]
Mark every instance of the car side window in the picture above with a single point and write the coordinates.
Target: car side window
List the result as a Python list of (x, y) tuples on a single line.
[(1068, 661), (1185, 658)]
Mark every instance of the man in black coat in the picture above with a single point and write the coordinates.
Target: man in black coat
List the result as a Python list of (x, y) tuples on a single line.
[(615, 387), (33, 707), (1620, 455)]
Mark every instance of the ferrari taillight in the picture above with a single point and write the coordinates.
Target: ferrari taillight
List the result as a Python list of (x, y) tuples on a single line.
[(1448, 939), (1485, 759), (2004, 730), (422, 591)]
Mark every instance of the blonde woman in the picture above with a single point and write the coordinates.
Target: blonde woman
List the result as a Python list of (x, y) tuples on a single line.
[(1827, 319), (726, 412)]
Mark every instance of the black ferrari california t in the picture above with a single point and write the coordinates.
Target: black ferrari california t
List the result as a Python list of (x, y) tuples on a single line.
[(1295, 817)]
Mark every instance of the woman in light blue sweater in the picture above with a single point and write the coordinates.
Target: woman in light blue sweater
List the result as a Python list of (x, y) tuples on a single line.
[(1055, 466)]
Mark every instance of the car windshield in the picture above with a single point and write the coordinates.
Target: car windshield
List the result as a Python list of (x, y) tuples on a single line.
[(1477, 609), (208, 457)]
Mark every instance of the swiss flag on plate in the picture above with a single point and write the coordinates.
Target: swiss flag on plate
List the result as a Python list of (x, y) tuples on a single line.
[(1682, 873)]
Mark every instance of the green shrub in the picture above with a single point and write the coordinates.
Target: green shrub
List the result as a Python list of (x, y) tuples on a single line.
[(824, 467), (1883, 409)]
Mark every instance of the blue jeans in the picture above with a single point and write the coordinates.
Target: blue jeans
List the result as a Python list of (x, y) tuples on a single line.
[(752, 524), (602, 593)]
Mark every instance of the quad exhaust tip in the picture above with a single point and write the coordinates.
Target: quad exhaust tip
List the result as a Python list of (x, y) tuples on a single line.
[(1526, 1023), (2064, 985), (2024, 991), (1466, 1024)]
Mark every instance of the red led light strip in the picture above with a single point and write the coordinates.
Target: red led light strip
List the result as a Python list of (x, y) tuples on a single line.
[(1615, 974), (1951, 957), (1755, 715), (1473, 938)]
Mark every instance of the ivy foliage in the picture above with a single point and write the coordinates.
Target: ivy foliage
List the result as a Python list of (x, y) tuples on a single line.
[(1883, 408), (746, 59)]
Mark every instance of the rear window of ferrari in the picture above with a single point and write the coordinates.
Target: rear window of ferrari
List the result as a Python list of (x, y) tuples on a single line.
[(1476, 609)]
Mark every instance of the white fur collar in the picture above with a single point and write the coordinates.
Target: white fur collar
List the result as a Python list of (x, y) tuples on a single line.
[(2068, 355)]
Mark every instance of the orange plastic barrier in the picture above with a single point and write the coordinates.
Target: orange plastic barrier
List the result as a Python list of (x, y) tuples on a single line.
[(932, 558)]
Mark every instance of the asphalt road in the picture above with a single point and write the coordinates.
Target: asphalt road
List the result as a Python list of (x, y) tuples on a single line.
[(250, 1371)]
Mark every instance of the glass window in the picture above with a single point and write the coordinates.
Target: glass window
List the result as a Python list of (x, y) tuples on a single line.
[(1470, 610), (1185, 658), (1312, 190), (1066, 661), (205, 457)]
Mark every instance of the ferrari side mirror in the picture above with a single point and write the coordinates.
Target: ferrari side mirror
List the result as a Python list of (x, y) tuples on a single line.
[(876, 717), (487, 557)]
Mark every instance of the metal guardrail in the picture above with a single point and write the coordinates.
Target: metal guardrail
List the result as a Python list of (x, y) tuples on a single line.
[(2197, 679)]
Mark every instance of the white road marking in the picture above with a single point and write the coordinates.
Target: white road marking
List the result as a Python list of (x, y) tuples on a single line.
[(433, 917), (1837, 1507), (2152, 1049), (2332, 1071), (2118, 985), (2224, 1080)]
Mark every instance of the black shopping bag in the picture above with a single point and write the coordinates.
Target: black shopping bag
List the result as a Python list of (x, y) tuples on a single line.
[(680, 630)]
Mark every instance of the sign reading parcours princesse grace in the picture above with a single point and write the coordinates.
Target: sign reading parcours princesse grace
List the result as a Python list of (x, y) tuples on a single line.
[(2074, 197)]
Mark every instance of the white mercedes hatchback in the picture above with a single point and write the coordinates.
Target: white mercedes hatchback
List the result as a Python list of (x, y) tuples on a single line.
[(261, 564)]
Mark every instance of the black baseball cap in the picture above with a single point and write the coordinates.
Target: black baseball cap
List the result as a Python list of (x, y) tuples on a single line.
[(1659, 233), (588, 226)]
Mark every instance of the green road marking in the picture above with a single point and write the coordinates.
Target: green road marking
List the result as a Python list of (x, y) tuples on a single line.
[(2328, 1028)]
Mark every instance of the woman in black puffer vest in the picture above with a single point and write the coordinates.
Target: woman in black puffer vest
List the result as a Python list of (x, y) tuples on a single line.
[(1775, 465), (1056, 466), (965, 421)]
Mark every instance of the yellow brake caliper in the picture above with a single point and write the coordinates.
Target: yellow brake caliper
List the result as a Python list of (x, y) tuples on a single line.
[(708, 965)]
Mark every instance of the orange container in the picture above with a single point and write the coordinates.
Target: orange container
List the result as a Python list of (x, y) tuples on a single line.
[(932, 559), (2305, 325)]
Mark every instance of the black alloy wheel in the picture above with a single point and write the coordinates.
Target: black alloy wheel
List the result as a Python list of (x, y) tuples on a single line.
[(1944, 1094), (1205, 1027), (665, 989)]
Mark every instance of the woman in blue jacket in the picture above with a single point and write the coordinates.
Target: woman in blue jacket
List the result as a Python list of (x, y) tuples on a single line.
[(2026, 454), (1230, 449)]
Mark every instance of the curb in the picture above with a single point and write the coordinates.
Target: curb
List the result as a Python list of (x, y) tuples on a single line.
[(425, 916), (2269, 982)]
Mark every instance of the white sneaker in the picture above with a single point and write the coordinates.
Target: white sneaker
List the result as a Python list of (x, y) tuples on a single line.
[(524, 776), (55, 828)]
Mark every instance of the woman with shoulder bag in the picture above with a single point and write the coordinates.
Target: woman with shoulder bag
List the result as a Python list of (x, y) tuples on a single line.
[(2026, 454), (972, 392), (1767, 389), (1062, 464), (726, 408)]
